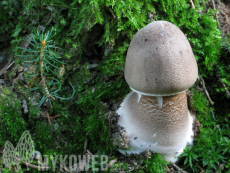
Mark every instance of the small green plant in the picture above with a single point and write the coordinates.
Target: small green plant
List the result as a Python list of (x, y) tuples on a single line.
[(155, 164), (190, 157), (44, 62)]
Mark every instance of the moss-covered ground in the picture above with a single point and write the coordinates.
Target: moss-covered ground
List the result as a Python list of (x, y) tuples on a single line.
[(93, 37)]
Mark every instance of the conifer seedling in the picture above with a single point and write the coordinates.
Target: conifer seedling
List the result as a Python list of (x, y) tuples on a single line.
[(45, 63)]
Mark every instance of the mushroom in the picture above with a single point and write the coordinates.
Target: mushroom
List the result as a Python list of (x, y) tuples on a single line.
[(160, 61), (160, 66)]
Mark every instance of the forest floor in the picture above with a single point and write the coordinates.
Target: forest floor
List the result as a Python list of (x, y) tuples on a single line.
[(5, 80)]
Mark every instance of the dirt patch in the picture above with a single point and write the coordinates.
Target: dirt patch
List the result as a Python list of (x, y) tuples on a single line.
[(224, 17)]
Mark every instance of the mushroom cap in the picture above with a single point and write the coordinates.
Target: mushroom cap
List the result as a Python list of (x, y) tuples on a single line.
[(160, 60), (164, 130)]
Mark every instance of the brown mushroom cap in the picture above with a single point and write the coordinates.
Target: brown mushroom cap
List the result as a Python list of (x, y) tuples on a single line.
[(160, 60)]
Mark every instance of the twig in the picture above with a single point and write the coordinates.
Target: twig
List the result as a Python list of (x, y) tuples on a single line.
[(10, 65), (6, 66), (55, 116), (213, 3), (214, 7), (193, 6), (205, 90), (111, 11), (111, 163), (200, 168), (213, 115), (65, 169), (32, 166), (47, 114), (223, 84), (48, 117), (179, 169), (89, 153)]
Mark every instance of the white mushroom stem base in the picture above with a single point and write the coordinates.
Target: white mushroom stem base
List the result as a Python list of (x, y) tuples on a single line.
[(165, 130)]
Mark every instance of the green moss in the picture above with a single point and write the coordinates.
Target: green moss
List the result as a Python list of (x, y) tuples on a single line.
[(12, 123), (99, 32), (155, 164)]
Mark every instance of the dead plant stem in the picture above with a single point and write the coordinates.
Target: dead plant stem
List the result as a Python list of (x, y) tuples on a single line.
[(193, 6), (179, 169), (205, 90), (214, 7)]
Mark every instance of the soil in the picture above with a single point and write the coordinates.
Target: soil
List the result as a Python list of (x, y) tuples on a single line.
[(224, 17)]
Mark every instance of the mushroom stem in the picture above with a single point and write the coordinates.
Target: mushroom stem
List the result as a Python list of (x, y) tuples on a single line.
[(165, 130), (160, 101)]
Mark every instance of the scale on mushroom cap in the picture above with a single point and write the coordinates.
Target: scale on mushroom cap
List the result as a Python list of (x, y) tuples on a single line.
[(160, 66)]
